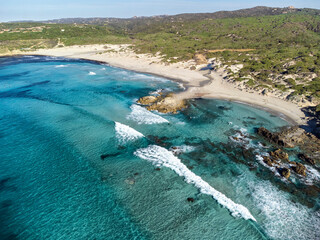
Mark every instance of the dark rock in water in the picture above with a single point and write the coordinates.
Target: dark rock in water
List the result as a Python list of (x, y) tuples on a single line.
[(189, 199), (103, 156), (161, 141), (136, 174), (252, 118), (274, 138), (248, 153), (268, 161), (308, 143), (279, 154), (299, 168), (312, 191), (157, 169), (306, 158), (224, 108), (284, 172), (104, 179)]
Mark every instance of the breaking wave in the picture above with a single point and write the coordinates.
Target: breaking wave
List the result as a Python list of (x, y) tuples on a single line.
[(143, 116), (162, 157), (125, 133), (60, 66), (285, 219)]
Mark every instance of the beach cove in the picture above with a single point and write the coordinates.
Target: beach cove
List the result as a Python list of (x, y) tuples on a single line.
[(198, 83), (82, 159)]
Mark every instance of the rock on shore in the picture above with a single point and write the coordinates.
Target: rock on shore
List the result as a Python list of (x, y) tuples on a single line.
[(169, 103)]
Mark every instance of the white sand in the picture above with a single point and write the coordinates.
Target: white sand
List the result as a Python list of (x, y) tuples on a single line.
[(197, 84)]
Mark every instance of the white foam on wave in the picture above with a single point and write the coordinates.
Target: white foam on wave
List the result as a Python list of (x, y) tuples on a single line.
[(125, 133), (284, 219), (143, 116), (313, 176), (92, 73), (182, 149), (157, 92), (140, 76), (60, 66), (162, 157), (259, 157)]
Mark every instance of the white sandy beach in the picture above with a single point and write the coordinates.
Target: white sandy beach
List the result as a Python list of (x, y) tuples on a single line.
[(197, 82)]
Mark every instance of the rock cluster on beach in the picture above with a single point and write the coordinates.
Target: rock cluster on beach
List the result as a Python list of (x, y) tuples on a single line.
[(168, 103)]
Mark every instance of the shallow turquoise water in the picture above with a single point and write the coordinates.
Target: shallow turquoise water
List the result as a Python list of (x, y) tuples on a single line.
[(70, 136)]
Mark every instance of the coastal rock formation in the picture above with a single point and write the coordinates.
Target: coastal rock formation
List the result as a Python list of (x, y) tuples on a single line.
[(284, 172), (299, 168), (164, 104), (279, 154), (189, 199), (147, 100), (274, 138), (306, 158), (269, 161), (295, 137)]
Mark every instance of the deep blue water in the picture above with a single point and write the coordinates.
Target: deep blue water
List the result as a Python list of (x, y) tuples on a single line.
[(80, 160)]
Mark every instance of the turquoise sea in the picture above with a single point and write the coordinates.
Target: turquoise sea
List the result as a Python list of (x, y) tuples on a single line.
[(79, 159)]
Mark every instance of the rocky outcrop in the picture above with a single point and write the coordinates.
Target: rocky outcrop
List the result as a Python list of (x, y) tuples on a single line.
[(279, 154), (189, 199), (147, 100), (291, 137), (306, 158), (284, 172), (274, 138), (165, 104), (299, 168), (269, 161)]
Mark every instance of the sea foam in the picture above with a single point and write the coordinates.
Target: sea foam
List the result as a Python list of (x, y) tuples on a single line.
[(60, 66), (284, 218), (162, 157), (92, 73), (143, 116), (125, 133)]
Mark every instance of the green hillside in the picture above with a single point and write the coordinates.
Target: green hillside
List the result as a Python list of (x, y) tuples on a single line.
[(286, 41)]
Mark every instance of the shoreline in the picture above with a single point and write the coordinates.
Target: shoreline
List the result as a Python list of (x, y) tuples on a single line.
[(197, 84)]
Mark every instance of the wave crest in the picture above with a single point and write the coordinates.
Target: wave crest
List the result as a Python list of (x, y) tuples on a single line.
[(162, 157), (125, 133), (143, 116)]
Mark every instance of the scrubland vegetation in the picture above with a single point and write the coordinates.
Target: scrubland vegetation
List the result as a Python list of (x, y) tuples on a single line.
[(284, 43)]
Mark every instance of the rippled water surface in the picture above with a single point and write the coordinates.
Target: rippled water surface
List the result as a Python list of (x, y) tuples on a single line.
[(79, 159)]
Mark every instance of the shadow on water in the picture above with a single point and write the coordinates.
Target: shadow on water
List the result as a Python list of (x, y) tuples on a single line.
[(5, 186), (14, 75), (5, 233), (5, 205)]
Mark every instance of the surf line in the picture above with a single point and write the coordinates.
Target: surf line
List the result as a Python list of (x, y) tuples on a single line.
[(125, 133), (162, 157)]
